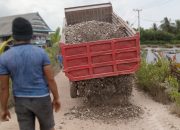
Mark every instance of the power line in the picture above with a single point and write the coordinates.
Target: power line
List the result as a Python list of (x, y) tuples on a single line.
[(134, 22), (138, 11)]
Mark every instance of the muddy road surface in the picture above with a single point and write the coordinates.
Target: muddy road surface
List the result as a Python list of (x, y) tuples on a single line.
[(155, 115)]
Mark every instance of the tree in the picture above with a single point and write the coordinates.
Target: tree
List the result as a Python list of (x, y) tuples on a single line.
[(55, 37), (177, 24), (155, 28), (167, 26)]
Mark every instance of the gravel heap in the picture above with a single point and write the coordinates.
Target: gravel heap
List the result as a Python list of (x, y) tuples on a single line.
[(106, 113), (92, 31)]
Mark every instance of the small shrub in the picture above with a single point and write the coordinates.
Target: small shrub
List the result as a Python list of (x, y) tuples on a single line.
[(52, 53), (151, 35), (177, 37), (175, 42), (150, 74), (174, 94), (151, 77)]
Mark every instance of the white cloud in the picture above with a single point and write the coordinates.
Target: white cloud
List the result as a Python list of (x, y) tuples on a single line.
[(53, 10)]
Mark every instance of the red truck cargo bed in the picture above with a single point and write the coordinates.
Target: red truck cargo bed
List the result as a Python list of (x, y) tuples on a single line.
[(101, 58)]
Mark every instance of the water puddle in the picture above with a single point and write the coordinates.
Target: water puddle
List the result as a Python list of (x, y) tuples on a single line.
[(152, 54)]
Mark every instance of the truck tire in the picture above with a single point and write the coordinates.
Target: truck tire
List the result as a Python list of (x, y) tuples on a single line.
[(73, 92)]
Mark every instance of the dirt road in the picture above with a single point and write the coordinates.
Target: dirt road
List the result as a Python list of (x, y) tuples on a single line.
[(156, 116)]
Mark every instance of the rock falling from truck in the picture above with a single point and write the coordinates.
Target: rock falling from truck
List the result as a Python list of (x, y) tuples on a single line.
[(106, 91)]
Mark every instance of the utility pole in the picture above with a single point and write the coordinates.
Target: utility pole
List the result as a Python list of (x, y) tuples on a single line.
[(138, 11)]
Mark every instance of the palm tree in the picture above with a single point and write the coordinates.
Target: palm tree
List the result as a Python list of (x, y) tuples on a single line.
[(167, 26), (177, 24), (55, 37), (155, 28)]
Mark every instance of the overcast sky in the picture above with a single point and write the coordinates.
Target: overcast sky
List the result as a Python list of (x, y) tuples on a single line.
[(52, 11)]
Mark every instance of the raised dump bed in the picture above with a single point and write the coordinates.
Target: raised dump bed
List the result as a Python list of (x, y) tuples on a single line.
[(102, 58)]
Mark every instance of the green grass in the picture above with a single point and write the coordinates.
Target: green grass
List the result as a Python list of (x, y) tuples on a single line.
[(174, 94), (157, 80), (152, 74), (173, 42), (151, 77), (52, 53)]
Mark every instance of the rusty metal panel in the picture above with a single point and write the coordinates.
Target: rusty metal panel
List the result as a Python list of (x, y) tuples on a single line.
[(98, 12), (119, 21)]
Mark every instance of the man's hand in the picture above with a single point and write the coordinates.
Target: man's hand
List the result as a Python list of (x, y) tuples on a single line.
[(56, 105), (5, 115)]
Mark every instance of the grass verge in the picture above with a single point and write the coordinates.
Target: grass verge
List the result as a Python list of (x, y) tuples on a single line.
[(151, 78), (156, 79)]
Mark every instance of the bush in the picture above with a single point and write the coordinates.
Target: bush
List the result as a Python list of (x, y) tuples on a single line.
[(151, 78), (52, 53), (154, 42), (173, 42), (151, 35), (174, 94), (152, 74), (177, 37), (157, 80)]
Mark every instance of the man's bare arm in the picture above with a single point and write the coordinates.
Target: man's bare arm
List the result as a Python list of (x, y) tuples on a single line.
[(52, 86), (5, 114), (4, 79)]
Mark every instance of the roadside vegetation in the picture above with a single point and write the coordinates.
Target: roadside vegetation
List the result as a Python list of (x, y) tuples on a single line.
[(52, 53), (166, 33), (54, 50), (157, 80)]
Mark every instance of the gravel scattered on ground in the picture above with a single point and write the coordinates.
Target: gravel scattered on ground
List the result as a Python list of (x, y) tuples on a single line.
[(106, 113)]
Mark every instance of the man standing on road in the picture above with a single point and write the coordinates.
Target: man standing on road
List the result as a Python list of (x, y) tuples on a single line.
[(32, 78)]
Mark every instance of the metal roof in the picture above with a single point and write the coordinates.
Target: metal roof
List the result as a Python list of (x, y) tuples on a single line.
[(35, 19)]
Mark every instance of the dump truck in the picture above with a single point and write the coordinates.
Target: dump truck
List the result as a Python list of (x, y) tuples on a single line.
[(102, 58)]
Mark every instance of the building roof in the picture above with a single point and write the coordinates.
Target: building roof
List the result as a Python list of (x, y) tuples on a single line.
[(35, 19)]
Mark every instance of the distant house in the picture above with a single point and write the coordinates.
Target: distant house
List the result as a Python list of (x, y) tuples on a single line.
[(40, 28)]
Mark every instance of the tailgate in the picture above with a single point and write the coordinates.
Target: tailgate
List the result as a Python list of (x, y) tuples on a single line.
[(101, 58)]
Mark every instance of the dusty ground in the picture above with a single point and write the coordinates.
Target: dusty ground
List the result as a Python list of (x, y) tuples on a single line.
[(156, 116)]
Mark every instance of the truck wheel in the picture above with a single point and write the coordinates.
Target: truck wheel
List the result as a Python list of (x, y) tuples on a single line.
[(73, 92)]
